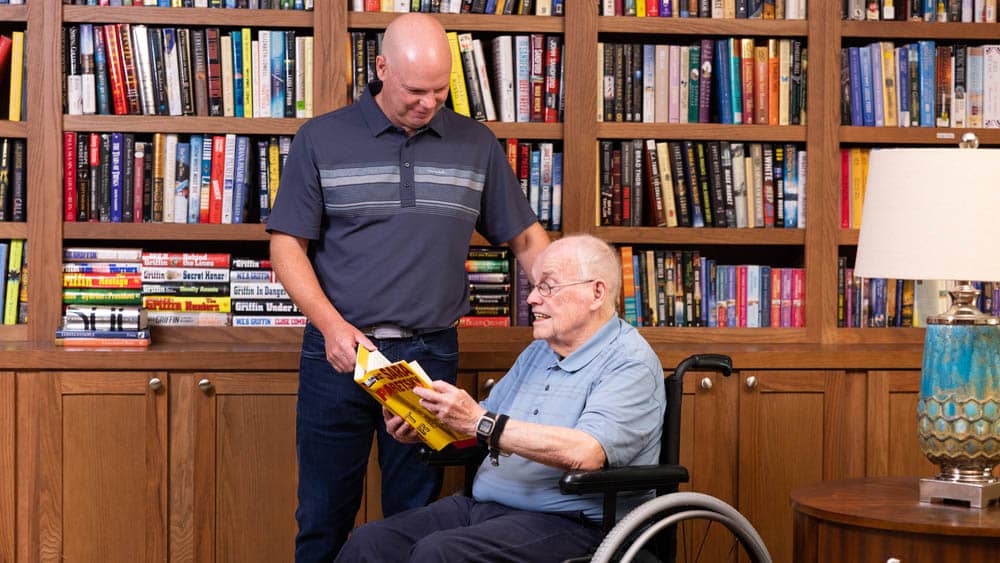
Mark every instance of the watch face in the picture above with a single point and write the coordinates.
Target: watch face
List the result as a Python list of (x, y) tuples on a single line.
[(485, 425)]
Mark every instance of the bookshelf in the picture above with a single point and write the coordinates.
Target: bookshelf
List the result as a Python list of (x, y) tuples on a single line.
[(818, 244)]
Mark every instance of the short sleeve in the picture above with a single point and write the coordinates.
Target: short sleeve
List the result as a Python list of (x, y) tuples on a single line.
[(505, 211), (298, 207)]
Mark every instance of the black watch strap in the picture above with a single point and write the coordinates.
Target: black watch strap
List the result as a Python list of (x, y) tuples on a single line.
[(490, 419), (494, 442)]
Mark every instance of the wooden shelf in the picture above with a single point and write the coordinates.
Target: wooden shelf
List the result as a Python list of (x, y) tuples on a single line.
[(10, 230), (702, 26), (705, 335), (14, 13), (920, 30), (466, 22), (847, 237), (233, 334), (702, 132), (16, 129), (188, 16), (943, 136), (895, 335), (704, 236), (163, 231), (540, 131), (182, 124), (13, 333)]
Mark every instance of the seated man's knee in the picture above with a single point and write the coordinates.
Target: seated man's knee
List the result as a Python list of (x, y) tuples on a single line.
[(364, 544), (437, 547)]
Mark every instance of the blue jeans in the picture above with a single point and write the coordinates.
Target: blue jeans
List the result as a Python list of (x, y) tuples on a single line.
[(457, 528), (335, 421)]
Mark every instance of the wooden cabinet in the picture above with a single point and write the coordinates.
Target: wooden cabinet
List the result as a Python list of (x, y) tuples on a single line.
[(892, 446), (233, 473), (92, 477)]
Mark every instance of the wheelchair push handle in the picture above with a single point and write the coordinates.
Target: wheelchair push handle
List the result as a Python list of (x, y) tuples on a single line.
[(710, 362)]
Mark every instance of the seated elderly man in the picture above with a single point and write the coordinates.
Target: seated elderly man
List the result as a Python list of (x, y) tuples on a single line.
[(586, 394)]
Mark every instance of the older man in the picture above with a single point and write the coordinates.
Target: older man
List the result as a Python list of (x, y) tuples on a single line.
[(588, 393), (369, 235)]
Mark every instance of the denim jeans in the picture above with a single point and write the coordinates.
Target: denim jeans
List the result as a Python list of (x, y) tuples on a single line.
[(335, 421)]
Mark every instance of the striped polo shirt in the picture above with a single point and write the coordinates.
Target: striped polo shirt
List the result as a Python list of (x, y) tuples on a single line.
[(389, 216)]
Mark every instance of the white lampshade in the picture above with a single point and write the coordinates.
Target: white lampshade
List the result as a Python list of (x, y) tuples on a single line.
[(931, 214)]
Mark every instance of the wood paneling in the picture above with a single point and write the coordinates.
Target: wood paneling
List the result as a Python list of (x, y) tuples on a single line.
[(893, 449), (7, 458)]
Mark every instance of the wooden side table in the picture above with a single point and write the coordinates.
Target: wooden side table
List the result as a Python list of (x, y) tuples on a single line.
[(873, 520)]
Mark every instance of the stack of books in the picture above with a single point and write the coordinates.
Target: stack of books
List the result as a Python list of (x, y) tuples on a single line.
[(488, 269), (259, 299), (102, 296), (186, 288)]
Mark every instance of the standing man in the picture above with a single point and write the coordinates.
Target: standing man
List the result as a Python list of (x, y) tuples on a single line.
[(369, 235)]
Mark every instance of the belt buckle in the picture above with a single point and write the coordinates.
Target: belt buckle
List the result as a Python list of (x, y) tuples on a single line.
[(391, 331)]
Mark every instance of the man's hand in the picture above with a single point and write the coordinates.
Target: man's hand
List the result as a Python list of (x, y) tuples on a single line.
[(399, 429), (342, 341), (451, 405)]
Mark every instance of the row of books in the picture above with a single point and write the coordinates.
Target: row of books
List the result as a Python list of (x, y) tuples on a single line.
[(498, 289), (143, 70), (519, 82), (13, 65), (496, 7), (728, 80), (968, 11), (171, 178), (702, 184), (248, 4), (743, 9), (920, 85), (539, 168), (881, 302), (13, 282), (101, 300), (179, 289), (13, 180), (682, 288)]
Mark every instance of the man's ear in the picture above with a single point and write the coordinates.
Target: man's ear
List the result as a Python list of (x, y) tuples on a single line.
[(380, 65), (600, 293)]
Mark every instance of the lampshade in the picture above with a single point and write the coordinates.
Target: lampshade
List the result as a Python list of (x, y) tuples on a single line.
[(931, 214)]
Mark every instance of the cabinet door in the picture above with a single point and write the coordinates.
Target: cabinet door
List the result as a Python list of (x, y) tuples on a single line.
[(233, 467), (708, 450), (92, 480), (795, 428), (893, 448), (7, 499)]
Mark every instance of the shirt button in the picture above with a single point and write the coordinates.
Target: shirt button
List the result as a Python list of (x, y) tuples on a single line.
[(546, 387), (406, 164), (536, 411)]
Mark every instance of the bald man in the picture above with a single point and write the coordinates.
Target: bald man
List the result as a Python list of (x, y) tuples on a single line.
[(369, 234), (586, 394)]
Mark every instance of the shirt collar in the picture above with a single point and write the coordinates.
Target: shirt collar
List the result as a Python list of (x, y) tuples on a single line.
[(602, 339), (378, 123)]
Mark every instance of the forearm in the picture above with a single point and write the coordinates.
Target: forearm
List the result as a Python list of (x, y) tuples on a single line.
[(291, 264), (528, 245), (555, 446)]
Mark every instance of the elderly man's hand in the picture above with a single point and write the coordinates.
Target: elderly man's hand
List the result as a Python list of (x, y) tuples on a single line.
[(399, 429), (451, 405)]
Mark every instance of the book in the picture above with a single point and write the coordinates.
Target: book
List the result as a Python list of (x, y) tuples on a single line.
[(391, 384)]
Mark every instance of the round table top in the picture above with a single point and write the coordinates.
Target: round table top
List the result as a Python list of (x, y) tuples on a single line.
[(893, 503)]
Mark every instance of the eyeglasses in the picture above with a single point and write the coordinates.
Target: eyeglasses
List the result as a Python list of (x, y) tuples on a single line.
[(546, 289)]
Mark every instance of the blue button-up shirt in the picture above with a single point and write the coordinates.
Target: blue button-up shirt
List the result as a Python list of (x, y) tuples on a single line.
[(610, 388)]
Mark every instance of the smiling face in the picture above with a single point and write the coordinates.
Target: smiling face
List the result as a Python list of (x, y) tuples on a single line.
[(576, 308), (414, 68)]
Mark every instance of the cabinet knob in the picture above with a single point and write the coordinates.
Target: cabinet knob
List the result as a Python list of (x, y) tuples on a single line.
[(751, 382), (892, 560), (488, 384), (205, 385), (155, 384), (706, 383)]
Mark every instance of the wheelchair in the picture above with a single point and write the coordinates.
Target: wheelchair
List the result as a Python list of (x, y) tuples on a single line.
[(649, 532)]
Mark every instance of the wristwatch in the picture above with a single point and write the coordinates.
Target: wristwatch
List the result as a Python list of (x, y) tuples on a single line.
[(485, 426)]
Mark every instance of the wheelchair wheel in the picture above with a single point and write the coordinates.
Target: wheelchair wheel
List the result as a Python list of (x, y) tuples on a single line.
[(625, 541)]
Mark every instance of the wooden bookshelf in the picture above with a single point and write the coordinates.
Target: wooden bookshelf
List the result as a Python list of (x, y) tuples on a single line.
[(164, 231), (17, 129), (188, 16), (918, 136), (702, 132), (702, 26), (9, 230), (183, 124), (920, 30), (18, 13), (701, 236), (465, 22)]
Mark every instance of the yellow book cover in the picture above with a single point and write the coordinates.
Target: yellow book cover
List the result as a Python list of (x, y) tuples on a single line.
[(391, 384), (858, 178), (889, 110), (459, 97), (13, 281), (273, 168), (246, 45), (16, 72), (640, 8)]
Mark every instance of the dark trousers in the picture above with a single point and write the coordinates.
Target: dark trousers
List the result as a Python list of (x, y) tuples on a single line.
[(458, 528), (335, 421)]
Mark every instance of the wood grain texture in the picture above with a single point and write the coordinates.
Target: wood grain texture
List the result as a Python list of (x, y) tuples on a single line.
[(509, 24), (39, 469), (8, 501), (189, 16), (580, 154), (702, 26), (183, 395), (702, 131), (919, 30), (184, 124), (893, 449)]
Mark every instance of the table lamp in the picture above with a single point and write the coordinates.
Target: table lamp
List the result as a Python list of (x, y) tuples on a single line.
[(934, 214)]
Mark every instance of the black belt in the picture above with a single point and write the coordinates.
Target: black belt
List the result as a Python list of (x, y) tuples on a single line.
[(390, 330)]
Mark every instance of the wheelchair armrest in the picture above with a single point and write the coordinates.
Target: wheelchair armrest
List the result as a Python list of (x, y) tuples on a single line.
[(631, 478), (451, 456)]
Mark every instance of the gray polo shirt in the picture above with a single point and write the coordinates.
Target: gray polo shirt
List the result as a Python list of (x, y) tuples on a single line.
[(390, 216)]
